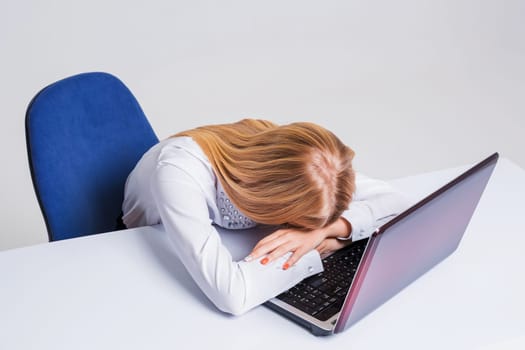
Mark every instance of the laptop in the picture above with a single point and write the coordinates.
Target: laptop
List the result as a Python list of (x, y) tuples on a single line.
[(362, 276)]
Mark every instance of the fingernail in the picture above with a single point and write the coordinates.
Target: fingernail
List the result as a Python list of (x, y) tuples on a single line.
[(248, 258), (286, 266), (264, 261)]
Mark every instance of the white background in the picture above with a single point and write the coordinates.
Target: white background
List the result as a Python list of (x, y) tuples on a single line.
[(411, 86)]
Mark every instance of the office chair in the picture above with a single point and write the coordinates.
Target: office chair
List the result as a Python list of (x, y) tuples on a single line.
[(84, 135)]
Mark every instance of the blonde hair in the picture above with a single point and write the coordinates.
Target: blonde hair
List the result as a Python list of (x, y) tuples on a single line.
[(298, 174)]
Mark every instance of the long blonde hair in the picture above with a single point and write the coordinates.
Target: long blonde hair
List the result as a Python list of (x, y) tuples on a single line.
[(298, 174)]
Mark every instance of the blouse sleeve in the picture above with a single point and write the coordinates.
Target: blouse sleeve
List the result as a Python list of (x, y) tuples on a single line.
[(233, 286), (374, 203)]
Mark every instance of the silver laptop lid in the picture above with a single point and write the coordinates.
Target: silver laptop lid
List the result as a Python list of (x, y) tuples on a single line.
[(412, 243)]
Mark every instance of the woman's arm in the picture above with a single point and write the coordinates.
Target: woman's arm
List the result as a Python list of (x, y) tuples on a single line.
[(374, 203), (299, 242), (233, 287)]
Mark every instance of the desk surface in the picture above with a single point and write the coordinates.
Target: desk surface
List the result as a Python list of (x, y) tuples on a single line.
[(125, 289)]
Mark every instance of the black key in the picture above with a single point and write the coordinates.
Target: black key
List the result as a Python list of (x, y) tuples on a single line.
[(316, 282), (305, 308)]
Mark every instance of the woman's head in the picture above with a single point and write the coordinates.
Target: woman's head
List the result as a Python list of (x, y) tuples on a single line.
[(298, 174)]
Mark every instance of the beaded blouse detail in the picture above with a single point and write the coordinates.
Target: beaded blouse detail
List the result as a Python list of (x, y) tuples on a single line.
[(231, 216)]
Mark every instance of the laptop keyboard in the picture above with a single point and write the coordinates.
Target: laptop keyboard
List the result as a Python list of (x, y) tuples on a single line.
[(322, 295)]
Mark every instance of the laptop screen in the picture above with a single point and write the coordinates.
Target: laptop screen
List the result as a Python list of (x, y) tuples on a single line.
[(412, 243)]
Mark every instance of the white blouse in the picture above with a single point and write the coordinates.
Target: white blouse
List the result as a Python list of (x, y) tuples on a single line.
[(174, 184)]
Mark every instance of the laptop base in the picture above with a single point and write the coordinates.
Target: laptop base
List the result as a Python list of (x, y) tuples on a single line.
[(315, 330)]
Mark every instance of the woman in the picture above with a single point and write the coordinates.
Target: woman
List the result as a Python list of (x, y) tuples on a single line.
[(298, 177)]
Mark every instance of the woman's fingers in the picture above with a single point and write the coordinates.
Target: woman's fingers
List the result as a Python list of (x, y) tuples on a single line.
[(266, 245), (298, 243), (277, 253), (296, 255), (272, 236), (284, 241), (264, 249)]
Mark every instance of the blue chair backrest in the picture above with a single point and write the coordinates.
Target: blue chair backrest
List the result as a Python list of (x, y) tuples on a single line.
[(84, 135)]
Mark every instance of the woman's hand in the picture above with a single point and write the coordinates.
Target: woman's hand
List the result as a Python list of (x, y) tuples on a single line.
[(287, 240), (300, 242), (330, 245)]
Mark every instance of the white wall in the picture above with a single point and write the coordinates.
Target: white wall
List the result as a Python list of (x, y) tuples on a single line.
[(412, 86)]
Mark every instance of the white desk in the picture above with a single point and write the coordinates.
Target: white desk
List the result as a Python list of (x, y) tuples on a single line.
[(125, 290)]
